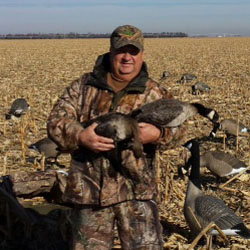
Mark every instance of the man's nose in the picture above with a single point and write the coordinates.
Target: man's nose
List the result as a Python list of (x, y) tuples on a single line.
[(127, 56)]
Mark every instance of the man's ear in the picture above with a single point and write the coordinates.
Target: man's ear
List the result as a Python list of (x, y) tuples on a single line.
[(143, 55)]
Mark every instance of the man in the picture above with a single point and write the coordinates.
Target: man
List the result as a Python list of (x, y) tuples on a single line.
[(102, 195)]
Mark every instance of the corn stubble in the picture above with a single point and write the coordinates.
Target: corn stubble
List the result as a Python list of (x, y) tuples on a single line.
[(40, 69)]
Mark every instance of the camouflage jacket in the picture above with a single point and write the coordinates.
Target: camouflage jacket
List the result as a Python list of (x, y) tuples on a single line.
[(92, 178)]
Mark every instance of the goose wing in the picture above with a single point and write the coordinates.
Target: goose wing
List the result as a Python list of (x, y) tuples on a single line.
[(228, 159), (160, 112), (209, 208)]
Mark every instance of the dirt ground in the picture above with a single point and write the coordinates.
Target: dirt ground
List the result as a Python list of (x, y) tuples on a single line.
[(38, 70)]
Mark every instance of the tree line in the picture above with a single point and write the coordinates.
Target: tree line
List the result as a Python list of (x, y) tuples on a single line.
[(73, 35)]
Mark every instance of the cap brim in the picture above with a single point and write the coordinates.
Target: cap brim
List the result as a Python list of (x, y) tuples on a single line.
[(124, 43)]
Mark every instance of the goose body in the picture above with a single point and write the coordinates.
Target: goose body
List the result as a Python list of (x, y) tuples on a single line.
[(18, 108), (230, 126), (47, 147), (221, 164), (207, 208), (122, 128), (200, 87), (171, 112), (187, 78), (165, 75)]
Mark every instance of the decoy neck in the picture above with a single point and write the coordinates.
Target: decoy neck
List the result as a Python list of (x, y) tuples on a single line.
[(194, 160), (214, 130), (211, 114)]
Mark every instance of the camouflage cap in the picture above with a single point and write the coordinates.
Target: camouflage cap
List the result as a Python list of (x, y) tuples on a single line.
[(125, 35)]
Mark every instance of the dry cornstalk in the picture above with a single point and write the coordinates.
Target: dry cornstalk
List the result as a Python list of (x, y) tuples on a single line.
[(237, 135), (224, 141), (158, 173), (5, 164), (4, 128), (43, 159), (235, 177), (22, 132), (167, 183), (204, 232), (195, 218)]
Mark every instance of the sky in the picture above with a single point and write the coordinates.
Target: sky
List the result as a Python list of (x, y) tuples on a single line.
[(194, 17)]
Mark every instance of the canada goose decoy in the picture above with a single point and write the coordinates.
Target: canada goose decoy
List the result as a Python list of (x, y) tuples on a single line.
[(122, 128), (200, 87), (201, 209), (165, 75), (18, 108), (187, 78), (171, 112), (229, 127), (46, 147), (221, 164)]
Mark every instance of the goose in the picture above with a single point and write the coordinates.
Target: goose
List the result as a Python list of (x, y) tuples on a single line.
[(171, 112), (18, 108), (229, 126), (207, 208), (221, 164), (200, 87), (122, 128), (187, 78), (47, 147), (165, 75)]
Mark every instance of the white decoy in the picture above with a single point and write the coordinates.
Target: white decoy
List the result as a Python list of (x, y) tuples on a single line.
[(171, 112), (207, 208), (18, 108)]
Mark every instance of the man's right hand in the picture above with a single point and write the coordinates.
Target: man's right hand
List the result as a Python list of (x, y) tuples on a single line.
[(89, 139)]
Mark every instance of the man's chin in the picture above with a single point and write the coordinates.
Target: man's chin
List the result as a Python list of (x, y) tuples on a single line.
[(126, 71)]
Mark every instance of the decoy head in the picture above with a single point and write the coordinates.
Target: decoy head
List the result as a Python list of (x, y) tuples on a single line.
[(193, 90), (214, 130), (191, 144), (213, 116)]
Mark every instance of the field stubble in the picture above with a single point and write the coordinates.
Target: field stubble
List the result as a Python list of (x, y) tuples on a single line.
[(39, 70)]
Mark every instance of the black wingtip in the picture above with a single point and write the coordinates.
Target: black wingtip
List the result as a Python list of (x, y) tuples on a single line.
[(243, 230)]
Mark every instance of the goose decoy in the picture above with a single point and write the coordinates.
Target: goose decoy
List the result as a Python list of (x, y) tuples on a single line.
[(200, 87), (165, 75), (122, 128), (47, 147), (229, 127), (201, 209), (171, 112), (221, 164), (18, 108), (187, 78)]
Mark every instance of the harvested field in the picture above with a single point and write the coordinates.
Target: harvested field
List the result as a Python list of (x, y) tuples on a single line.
[(38, 70)]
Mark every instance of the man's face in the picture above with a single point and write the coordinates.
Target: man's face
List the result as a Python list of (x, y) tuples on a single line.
[(126, 62)]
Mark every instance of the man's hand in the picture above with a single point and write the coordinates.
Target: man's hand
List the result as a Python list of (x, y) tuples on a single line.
[(149, 133), (94, 142)]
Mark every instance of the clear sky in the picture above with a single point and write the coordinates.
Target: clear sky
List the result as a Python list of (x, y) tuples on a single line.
[(204, 17)]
